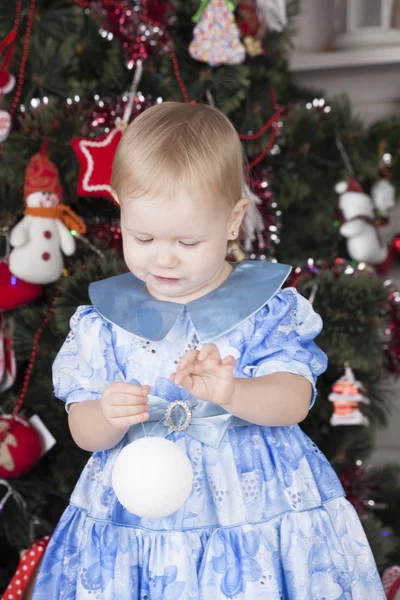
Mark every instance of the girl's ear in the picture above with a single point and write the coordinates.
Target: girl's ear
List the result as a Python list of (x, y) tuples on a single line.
[(238, 212)]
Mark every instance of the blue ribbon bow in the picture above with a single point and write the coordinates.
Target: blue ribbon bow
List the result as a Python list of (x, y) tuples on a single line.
[(208, 424)]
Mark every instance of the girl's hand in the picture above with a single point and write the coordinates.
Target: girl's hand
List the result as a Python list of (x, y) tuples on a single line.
[(125, 404), (205, 375)]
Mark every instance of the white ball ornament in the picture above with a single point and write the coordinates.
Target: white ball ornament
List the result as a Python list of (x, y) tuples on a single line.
[(152, 477), (341, 187), (5, 124)]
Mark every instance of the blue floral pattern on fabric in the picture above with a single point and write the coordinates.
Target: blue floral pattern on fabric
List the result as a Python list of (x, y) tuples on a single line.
[(266, 519)]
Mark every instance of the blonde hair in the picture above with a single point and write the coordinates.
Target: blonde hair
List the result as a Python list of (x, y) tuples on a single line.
[(174, 144)]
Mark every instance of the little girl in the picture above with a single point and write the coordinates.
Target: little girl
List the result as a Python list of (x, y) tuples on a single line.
[(266, 518)]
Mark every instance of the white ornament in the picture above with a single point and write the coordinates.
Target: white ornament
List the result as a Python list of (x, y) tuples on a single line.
[(38, 243), (253, 222), (363, 242), (272, 14), (152, 477), (341, 187), (383, 196), (5, 124)]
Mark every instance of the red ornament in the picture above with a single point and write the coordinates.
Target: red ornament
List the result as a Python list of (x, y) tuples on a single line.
[(141, 35), (247, 18), (396, 244), (15, 292), (391, 583), (359, 487), (384, 267), (20, 449), (95, 157), (7, 47)]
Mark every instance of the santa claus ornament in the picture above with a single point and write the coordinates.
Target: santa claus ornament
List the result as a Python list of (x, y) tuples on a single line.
[(43, 235), (358, 224), (346, 397)]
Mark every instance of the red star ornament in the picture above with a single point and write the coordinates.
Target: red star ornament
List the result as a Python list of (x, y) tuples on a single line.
[(95, 157)]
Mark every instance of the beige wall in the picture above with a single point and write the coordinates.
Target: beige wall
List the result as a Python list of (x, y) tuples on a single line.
[(370, 76)]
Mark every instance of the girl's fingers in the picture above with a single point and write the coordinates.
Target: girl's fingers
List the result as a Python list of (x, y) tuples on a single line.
[(128, 388), (187, 359), (209, 365), (128, 399), (124, 422), (194, 356), (208, 351), (186, 381), (229, 361), (128, 411)]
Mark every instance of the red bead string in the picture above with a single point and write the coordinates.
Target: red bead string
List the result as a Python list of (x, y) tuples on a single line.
[(31, 365), (274, 122), (254, 136), (262, 130), (18, 9), (178, 77), (24, 57)]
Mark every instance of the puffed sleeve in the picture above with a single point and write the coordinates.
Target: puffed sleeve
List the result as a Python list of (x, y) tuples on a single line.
[(86, 362), (282, 340)]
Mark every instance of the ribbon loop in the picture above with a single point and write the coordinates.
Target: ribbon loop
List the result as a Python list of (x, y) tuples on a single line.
[(209, 422)]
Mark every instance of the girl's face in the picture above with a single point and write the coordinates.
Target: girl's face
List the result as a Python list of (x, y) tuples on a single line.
[(177, 246)]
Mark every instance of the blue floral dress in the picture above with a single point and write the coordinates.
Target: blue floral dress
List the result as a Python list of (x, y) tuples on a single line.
[(266, 518)]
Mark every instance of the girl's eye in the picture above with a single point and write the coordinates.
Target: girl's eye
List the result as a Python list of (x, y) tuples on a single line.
[(189, 245), (183, 243)]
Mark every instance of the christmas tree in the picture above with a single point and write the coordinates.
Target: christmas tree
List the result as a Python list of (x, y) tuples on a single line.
[(72, 74)]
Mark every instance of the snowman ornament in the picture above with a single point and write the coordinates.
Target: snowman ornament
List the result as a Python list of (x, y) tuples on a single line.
[(358, 224), (43, 235)]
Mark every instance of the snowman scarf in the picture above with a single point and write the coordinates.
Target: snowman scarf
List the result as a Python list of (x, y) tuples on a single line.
[(62, 212)]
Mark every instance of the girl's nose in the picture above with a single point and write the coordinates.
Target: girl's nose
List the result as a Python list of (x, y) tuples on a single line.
[(166, 259)]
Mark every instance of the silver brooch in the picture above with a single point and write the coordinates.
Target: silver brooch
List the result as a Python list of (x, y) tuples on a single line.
[(182, 412)]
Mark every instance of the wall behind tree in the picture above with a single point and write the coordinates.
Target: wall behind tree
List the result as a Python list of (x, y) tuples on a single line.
[(369, 75)]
